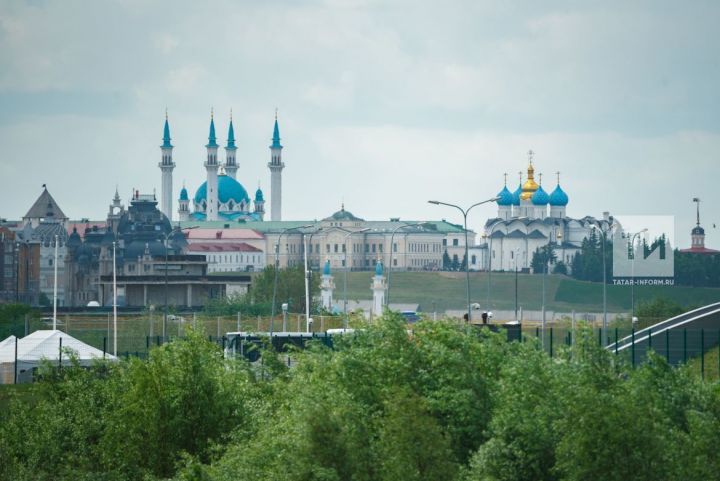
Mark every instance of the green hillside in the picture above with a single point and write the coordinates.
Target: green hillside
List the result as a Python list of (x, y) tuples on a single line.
[(447, 291)]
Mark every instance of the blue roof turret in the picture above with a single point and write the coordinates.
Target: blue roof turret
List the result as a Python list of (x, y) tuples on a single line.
[(276, 136), (378, 268), (166, 134), (540, 197), (326, 268), (231, 136), (259, 197), (184, 194), (212, 140), (558, 197), (516, 195), (505, 197), (227, 189)]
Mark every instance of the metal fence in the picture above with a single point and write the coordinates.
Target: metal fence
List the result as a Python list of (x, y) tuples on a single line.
[(678, 346)]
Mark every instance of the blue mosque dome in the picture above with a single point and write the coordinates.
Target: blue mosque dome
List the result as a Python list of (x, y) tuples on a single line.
[(259, 195), (516, 195), (558, 197), (228, 189), (184, 194), (540, 197), (505, 197)]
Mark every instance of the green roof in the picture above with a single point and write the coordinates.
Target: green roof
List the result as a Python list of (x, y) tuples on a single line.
[(440, 226)]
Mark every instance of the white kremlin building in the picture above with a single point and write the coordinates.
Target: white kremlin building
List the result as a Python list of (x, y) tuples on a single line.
[(530, 218)]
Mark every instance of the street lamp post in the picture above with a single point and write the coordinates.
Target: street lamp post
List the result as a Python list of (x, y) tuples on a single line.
[(55, 284), (17, 272), (277, 268), (308, 271), (550, 252), (345, 320), (392, 237), (632, 276), (465, 213), (517, 254), (604, 232), (489, 271), (115, 302)]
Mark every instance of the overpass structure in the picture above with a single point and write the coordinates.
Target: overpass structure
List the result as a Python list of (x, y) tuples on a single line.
[(677, 339)]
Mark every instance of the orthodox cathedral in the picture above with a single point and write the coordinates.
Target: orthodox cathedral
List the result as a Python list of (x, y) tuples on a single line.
[(221, 196), (530, 218)]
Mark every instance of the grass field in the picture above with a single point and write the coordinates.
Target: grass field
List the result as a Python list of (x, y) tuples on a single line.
[(447, 291)]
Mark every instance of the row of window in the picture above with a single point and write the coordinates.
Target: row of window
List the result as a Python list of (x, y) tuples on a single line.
[(229, 258)]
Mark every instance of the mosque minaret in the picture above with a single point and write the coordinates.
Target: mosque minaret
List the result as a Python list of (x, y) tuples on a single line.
[(276, 166), (166, 167), (221, 197)]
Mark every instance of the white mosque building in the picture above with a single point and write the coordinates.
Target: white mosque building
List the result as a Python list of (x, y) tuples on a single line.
[(528, 219), (221, 197)]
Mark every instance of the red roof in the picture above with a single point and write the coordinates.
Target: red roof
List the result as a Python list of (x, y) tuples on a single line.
[(223, 234), (221, 247)]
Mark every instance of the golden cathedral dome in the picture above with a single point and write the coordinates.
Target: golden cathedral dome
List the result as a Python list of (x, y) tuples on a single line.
[(530, 186)]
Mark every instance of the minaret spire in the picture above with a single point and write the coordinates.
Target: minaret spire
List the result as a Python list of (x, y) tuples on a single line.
[(166, 167), (230, 159), (276, 166), (211, 166), (697, 202)]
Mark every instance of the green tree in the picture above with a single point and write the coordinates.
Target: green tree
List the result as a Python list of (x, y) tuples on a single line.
[(446, 261), (290, 288)]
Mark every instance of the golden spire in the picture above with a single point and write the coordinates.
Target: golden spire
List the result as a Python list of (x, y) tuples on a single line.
[(530, 186)]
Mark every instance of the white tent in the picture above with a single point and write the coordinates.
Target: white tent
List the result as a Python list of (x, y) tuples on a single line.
[(43, 345), (7, 371)]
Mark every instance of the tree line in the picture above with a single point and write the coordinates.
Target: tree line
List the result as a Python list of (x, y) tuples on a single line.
[(443, 402), (696, 270)]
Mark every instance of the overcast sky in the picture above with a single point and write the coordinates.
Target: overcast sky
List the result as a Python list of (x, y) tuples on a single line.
[(383, 104)]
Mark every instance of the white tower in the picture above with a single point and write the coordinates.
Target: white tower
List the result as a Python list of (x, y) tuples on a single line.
[(211, 165), (276, 166), (378, 289), (166, 166), (327, 285), (230, 163), (184, 205), (260, 203)]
